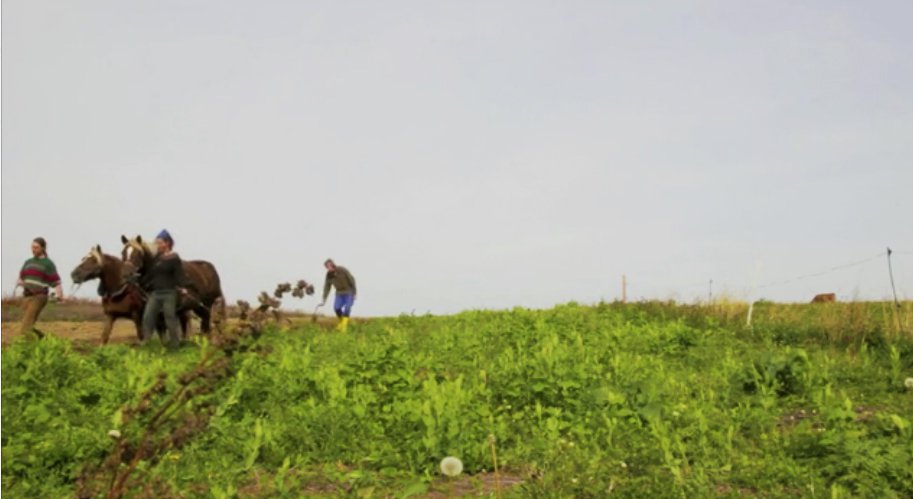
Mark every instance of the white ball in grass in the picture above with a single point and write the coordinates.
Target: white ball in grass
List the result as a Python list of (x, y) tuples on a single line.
[(115, 434), (451, 466), (908, 383)]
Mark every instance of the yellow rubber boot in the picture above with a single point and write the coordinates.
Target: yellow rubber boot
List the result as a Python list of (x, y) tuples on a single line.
[(343, 324)]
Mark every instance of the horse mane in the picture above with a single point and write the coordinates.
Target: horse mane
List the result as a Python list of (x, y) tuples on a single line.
[(110, 258), (112, 268), (150, 249), (146, 247)]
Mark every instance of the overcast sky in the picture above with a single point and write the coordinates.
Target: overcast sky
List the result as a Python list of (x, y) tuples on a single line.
[(459, 155)]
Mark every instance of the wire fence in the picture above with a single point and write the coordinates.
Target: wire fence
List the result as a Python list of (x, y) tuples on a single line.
[(635, 286), (822, 272)]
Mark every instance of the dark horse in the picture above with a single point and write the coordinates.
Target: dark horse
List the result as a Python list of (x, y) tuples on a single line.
[(119, 299), (204, 288)]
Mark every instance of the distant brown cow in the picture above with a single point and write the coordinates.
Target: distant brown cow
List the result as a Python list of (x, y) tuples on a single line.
[(825, 298)]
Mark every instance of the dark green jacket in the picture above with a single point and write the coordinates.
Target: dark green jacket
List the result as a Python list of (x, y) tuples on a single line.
[(166, 274), (342, 280)]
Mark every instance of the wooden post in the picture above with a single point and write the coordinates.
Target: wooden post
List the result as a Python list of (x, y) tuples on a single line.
[(624, 289), (891, 274), (894, 291)]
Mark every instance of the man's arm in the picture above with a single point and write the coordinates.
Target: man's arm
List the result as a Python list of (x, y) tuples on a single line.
[(327, 283), (57, 283), (351, 279), (19, 282)]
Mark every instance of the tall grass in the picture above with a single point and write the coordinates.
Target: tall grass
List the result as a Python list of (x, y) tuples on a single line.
[(844, 323)]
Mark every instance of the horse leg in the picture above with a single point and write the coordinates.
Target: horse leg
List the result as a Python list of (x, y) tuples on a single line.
[(223, 316), (106, 332), (184, 317), (138, 322), (204, 314), (217, 314)]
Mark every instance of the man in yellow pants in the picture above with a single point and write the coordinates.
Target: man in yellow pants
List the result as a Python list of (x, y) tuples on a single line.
[(340, 278)]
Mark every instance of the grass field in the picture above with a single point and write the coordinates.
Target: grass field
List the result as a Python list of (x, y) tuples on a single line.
[(648, 399)]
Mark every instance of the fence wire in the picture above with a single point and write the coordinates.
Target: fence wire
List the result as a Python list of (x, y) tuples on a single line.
[(823, 272), (711, 284)]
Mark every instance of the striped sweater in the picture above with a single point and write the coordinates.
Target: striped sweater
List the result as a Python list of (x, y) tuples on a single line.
[(39, 274)]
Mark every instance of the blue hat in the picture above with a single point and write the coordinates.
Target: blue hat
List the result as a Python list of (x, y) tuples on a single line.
[(164, 234)]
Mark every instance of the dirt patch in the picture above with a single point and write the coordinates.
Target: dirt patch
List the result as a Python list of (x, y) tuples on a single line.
[(864, 413), (88, 332), (481, 484), (724, 489), (79, 331), (792, 419), (75, 310)]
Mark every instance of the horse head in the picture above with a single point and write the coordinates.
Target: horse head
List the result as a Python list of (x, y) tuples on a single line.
[(136, 255), (91, 266)]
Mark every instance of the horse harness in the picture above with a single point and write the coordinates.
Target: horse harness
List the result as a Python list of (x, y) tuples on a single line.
[(126, 290)]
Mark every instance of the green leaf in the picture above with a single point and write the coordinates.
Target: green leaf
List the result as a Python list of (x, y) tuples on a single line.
[(415, 489), (118, 418), (901, 423)]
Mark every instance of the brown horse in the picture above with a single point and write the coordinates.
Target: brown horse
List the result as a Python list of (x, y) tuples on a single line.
[(119, 299), (204, 288)]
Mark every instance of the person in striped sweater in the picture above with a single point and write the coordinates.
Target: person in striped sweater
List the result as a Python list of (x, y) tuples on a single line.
[(37, 276)]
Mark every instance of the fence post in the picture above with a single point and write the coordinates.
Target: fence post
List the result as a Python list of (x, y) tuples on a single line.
[(891, 274), (624, 288), (897, 319)]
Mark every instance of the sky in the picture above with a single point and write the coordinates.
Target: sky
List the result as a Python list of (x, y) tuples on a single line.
[(467, 155)]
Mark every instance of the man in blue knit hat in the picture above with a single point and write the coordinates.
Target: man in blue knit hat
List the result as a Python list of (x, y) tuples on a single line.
[(165, 278)]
